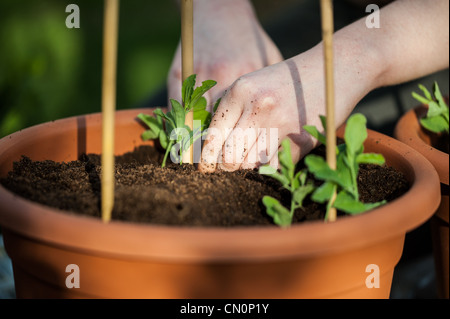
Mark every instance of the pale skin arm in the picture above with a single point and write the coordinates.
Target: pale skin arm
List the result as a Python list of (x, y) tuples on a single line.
[(228, 43), (413, 41)]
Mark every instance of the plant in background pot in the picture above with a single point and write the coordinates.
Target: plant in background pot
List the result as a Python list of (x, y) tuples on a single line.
[(425, 128), (353, 257)]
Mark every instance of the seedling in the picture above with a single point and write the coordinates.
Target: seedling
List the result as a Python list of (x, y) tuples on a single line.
[(295, 183), (170, 127), (343, 180), (437, 117)]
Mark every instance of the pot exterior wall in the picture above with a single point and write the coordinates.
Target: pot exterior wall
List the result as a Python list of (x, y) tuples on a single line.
[(40, 272), (126, 260), (440, 229), (409, 131)]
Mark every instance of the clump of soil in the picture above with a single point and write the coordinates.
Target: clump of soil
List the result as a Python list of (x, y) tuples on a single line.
[(176, 194)]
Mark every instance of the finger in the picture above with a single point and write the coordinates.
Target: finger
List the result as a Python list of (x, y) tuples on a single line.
[(274, 161), (238, 144), (265, 148), (224, 120)]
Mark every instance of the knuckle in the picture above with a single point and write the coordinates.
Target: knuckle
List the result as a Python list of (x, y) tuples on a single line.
[(243, 85)]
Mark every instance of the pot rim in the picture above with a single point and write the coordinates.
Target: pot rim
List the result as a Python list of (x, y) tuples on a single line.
[(409, 131), (215, 244)]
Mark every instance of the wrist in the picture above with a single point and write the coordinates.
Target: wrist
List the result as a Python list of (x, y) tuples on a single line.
[(357, 71)]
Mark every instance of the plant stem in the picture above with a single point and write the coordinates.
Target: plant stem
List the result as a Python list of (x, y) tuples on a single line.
[(293, 208), (354, 176), (331, 213), (169, 146)]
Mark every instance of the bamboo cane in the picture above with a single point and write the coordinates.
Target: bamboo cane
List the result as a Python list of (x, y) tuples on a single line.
[(326, 7), (110, 31), (187, 62)]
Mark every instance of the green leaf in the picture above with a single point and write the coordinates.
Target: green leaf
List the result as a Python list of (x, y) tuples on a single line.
[(323, 193), (203, 116), (312, 130), (370, 158), (199, 91), (346, 203), (147, 119), (301, 176), (187, 89), (281, 178), (420, 98), (178, 112), (281, 215), (346, 169), (154, 123), (427, 93), (437, 118), (435, 124), (433, 109), (267, 170), (323, 120), (285, 158), (440, 98), (163, 139), (320, 168), (149, 135), (159, 112), (188, 139), (355, 133), (200, 105), (179, 133), (300, 194)]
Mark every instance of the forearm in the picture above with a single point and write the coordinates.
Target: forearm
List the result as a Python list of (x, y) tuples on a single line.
[(413, 39), (411, 42)]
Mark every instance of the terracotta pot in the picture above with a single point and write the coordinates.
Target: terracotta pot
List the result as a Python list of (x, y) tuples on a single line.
[(409, 131), (126, 260)]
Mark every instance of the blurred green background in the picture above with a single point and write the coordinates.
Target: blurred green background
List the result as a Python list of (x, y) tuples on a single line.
[(48, 71)]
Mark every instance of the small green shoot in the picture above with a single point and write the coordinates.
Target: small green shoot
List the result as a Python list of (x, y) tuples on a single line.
[(174, 131), (437, 117), (343, 180), (295, 183)]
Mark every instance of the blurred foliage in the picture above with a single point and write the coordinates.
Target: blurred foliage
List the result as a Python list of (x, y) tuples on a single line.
[(48, 71)]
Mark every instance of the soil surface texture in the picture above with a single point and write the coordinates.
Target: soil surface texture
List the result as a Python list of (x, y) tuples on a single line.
[(176, 194)]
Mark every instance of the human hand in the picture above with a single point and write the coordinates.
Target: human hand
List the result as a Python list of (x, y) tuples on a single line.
[(290, 94), (262, 108), (280, 98), (228, 42)]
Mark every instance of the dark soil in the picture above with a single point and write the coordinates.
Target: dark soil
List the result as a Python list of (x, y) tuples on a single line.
[(177, 194)]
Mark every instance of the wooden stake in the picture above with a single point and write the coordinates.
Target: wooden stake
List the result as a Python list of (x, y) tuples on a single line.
[(187, 61), (326, 8), (110, 29)]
